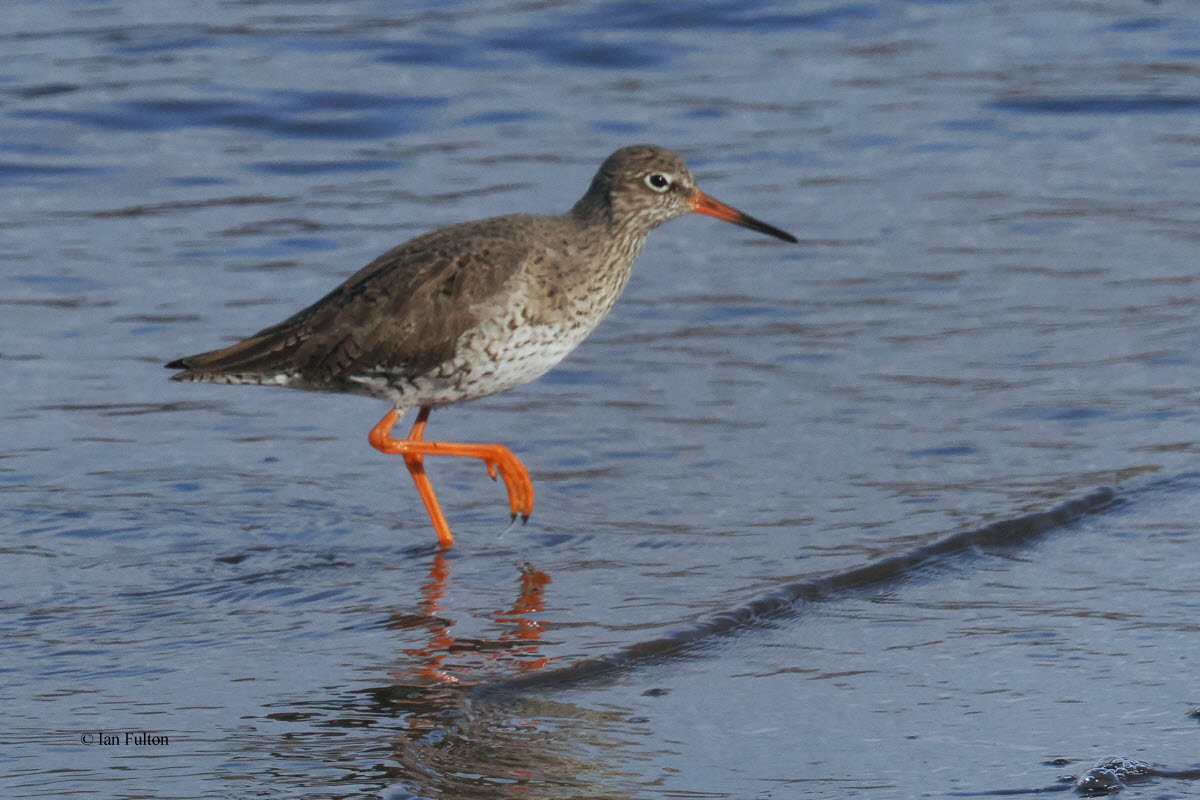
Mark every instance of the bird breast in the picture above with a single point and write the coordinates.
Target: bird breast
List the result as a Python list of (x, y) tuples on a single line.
[(546, 316)]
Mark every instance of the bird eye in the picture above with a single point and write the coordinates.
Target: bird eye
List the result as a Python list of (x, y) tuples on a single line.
[(658, 181)]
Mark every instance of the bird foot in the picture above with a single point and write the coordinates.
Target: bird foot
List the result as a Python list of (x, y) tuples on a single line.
[(497, 459)]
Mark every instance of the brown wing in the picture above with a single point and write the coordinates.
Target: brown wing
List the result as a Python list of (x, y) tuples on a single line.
[(404, 312)]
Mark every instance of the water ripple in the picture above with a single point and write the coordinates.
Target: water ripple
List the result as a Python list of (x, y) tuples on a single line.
[(781, 603)]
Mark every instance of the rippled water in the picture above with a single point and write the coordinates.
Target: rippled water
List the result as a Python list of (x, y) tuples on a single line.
[(994, 309)]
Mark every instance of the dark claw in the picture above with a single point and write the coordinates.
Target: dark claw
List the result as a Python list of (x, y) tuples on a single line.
[(524, 518), (513, 518)]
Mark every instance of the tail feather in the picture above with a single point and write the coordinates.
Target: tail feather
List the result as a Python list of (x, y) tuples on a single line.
[(248, 361)]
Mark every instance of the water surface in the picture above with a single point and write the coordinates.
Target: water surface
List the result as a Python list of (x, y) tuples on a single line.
[(993, 310)]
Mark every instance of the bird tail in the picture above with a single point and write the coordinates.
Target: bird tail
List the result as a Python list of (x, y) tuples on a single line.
[(253, 360)]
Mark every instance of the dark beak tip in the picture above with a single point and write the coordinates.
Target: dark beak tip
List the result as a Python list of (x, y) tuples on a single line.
[(787, 237), (769, 230), (702, 203)]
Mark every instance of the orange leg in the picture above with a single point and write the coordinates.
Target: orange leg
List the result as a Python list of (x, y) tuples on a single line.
[(496, 457)]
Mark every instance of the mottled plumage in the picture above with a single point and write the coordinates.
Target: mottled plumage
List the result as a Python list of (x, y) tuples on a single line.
[(476, 308)]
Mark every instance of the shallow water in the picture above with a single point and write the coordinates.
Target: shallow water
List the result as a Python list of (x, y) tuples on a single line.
[(994, 309)]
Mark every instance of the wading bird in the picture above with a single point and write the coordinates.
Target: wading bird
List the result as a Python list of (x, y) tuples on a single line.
[(470, 310)]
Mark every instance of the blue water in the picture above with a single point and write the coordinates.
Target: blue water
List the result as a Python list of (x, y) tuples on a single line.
[(994, 309)]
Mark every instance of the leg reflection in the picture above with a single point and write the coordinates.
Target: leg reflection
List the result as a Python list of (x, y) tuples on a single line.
[(443, 658), (455, 748)]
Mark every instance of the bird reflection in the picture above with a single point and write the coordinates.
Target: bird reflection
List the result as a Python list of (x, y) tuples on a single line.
[(443, 743), (456, 749), (516, 645), (461, 750)]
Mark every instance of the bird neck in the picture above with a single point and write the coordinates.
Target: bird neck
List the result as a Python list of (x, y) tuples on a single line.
[(594, 208), (623, 230)]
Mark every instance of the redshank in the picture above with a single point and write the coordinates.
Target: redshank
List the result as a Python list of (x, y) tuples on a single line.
[(470, 310)]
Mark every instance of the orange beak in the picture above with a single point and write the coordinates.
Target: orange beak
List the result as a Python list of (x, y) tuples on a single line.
[(703, 204)]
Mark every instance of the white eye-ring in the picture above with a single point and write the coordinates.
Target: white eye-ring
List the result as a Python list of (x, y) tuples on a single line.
[(658, 181)]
